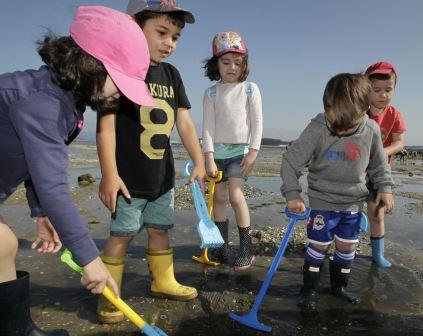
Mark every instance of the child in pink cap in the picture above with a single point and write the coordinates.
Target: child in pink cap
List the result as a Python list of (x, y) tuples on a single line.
[(232, 131), (137, 162), (392, 127), (41, 112)]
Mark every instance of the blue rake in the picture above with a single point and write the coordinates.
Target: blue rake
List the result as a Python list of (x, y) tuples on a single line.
[(250, 319), (209, 233)]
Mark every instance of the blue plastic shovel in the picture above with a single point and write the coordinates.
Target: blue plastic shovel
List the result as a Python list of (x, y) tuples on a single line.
[(209, 233), (250, 319)]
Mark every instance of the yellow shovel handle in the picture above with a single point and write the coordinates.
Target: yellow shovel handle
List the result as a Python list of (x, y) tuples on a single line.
[(212, 181), (124, 308)]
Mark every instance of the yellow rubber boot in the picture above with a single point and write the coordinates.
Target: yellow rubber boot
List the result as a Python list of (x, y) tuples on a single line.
[(107, 313), (164, 283)]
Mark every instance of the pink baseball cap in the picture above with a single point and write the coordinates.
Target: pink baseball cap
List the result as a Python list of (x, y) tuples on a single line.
[(383, 67), (118, 42), (228, 42)]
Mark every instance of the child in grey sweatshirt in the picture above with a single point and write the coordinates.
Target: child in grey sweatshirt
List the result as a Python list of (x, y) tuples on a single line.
[(341, 146)]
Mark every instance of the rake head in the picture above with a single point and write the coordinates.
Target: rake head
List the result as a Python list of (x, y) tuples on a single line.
[(209, 233)]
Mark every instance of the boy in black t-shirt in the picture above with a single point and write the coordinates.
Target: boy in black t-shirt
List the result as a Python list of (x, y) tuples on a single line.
[(136, 158)]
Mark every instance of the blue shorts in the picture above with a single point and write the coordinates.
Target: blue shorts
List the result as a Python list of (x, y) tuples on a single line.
[(230, 167), (131, 217), (324, 226)]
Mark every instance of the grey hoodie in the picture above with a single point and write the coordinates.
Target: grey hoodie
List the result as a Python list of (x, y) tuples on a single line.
[(337, 166)]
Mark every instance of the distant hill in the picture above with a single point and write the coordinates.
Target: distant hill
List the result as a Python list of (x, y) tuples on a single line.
[(274, 142), (414, 148)]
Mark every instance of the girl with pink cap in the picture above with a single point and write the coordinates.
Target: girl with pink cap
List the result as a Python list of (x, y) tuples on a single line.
[(41, 112), (232, 131)]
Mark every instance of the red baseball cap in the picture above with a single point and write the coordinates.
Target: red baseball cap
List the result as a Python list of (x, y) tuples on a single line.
[(383, 67)]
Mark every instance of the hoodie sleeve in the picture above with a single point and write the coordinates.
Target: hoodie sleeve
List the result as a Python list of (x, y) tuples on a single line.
[(299, 153), (378, 169), (40, 121), (209, 123), (33, 202)]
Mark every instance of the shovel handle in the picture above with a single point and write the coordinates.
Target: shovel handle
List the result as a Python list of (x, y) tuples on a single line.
[(107, 293), (298, 216), (216, 178), (212, 180)]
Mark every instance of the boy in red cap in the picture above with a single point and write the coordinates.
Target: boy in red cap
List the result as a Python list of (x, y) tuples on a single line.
[(136, 158), (392, 127)]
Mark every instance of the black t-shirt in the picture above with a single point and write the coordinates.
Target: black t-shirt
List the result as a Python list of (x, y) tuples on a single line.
[(143, 154)]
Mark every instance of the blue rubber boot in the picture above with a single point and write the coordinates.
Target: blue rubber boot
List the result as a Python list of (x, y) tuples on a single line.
[(378, 247)]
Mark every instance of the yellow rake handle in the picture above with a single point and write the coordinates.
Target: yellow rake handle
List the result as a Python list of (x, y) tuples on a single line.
[(212, 181)]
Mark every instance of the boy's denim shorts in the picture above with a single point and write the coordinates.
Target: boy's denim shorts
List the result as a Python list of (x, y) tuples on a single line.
[(324, 226), (131, 217), (230, 167)]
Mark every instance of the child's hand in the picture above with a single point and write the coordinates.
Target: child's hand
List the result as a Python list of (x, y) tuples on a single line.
[(247, 163), (296, 206), (96, 277), (385, 200), (211, 168), (108, 189), (46, 235), (198, 173)]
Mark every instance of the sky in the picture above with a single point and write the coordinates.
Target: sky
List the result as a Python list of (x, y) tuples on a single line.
[(294, 46)]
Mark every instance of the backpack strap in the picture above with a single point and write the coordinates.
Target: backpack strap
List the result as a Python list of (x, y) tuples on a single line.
[(213, 93), (248, 91)]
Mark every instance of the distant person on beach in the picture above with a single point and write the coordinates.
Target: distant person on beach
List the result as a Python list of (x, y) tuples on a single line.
[(392, 127), (232, 132), (138, 174), (341, 144), (41, 112)]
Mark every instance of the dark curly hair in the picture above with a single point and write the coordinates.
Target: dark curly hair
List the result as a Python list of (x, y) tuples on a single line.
[(211, 68), (75, 71), (387, 76)]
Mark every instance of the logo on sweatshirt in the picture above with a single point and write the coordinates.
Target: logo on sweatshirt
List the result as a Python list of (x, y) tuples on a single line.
[(352, 153)]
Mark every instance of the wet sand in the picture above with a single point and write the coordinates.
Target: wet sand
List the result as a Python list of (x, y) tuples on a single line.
[(391, 299)]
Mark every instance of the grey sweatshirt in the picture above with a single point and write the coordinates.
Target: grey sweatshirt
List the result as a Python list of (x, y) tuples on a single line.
[(337, 166)]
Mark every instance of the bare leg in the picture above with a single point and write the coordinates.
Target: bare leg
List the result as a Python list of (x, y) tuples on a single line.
[(220, 200), (238, 202), (377, 219), (117, 246), (376, 216), (158, 240)]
